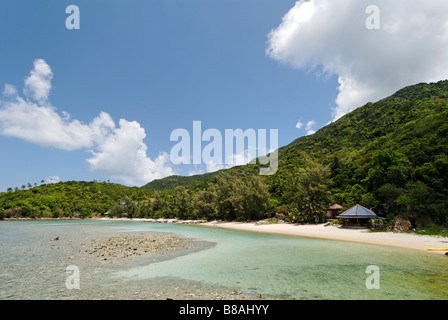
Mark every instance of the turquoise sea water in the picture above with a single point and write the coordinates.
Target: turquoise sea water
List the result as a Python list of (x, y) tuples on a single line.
[(282, 266)]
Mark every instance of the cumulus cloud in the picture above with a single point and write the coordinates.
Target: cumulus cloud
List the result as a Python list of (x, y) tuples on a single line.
[(232, 159), (123, 156), (9, 91), (309, 127), (42, 125), (299, 124), (118, 152), (331, 37), (38, 84)]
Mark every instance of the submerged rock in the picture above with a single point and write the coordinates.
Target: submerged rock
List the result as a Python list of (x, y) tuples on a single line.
[(113, 248)]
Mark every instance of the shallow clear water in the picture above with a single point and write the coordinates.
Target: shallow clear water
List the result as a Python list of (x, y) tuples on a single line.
[(280, 266)]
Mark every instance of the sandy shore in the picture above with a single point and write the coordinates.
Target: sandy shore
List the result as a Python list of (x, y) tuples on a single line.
[(321, 231), (401, 240)]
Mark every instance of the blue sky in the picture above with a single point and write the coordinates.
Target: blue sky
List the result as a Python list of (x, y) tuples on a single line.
[(160, 65)]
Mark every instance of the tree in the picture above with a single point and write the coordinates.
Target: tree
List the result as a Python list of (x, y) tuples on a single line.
[(117, 210), (416, 201), (310, 192), (145, 209), (368, 200), (241, 198), (255, 198), (388, 167), (160, 205), (182, 203), (228, 197), (204, 204), (130, 207), (388, 193)]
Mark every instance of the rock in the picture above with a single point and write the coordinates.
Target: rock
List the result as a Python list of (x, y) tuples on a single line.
[(55, 238), (131, 246), (401, 225)]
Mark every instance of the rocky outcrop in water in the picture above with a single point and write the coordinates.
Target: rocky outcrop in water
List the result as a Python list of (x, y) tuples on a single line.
[(127, 246)]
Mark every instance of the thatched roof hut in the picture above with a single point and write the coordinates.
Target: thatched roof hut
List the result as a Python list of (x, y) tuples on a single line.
[(333, 211)]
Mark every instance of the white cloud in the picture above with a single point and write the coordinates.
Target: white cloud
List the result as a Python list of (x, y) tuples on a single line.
[(411, 45), (38, 84), (310, 124), (240, 159), (123, 156), (212, 166), (299, 124), (309, 127), (52, 179), (9, 91), (117, 152), (234, 159), (42, 125)]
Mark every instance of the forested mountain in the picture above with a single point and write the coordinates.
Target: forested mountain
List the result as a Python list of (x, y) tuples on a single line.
[(391, 156), (75, 199)]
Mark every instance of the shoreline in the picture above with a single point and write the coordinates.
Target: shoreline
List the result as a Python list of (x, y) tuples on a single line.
[(359, 235), (320, 231)]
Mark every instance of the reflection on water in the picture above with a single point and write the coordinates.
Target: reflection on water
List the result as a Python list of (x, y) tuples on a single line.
[(253, 263)]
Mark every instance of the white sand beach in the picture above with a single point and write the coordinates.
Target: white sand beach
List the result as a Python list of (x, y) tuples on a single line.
[(321, 231), (401, 240)]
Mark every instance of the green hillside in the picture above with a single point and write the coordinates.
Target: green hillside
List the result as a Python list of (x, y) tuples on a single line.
[(391, 155), (75, 199), (171, 182)]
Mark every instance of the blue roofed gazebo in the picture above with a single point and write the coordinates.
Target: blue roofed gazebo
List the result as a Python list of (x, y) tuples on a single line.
[(357, 215)]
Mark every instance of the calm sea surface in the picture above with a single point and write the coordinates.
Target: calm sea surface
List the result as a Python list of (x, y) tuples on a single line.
[(33, 266)]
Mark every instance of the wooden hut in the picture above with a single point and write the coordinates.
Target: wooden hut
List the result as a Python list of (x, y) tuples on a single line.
[(332, 212)]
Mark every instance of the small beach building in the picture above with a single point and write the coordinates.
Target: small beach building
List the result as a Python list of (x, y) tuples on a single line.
[(332, 212), (357, 216)]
